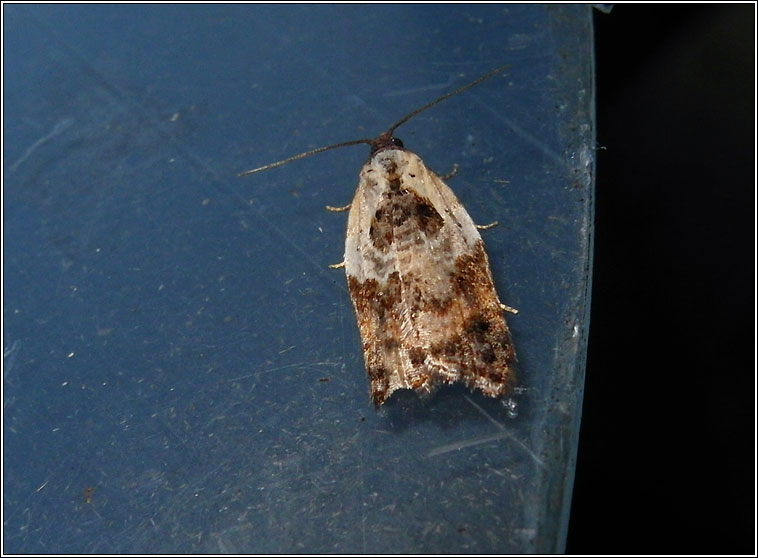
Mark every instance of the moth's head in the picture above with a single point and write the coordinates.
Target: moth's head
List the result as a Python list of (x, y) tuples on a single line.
[(383, 141)]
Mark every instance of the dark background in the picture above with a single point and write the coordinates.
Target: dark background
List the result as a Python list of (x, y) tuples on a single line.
[(666, 455), (167, 325)]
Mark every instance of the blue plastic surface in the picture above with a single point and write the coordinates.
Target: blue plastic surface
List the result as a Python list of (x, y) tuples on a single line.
[(183, 372)]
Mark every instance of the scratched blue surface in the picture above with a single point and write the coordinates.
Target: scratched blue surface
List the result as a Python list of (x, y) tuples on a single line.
[(182, 371)]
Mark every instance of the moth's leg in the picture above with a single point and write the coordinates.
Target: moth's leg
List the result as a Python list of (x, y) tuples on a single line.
[(452, 173), (506, 308), (503, 307), (343, 208)]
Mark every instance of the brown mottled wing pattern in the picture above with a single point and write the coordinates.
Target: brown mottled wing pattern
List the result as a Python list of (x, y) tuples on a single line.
[(421, 284)]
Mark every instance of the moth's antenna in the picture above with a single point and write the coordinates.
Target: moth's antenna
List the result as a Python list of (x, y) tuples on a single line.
[(303, 155), (477, 81), (383, 137)]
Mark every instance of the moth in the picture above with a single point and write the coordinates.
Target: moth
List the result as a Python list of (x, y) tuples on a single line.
[(419, 277)]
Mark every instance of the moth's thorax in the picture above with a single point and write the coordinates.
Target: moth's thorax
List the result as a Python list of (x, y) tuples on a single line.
[(389, 161), (393, 169)]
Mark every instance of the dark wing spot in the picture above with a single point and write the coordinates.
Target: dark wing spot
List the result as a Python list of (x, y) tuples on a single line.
[(430, 221), (478, 328), (391, 344), (380, 232), (417, 356), (488, 354)]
